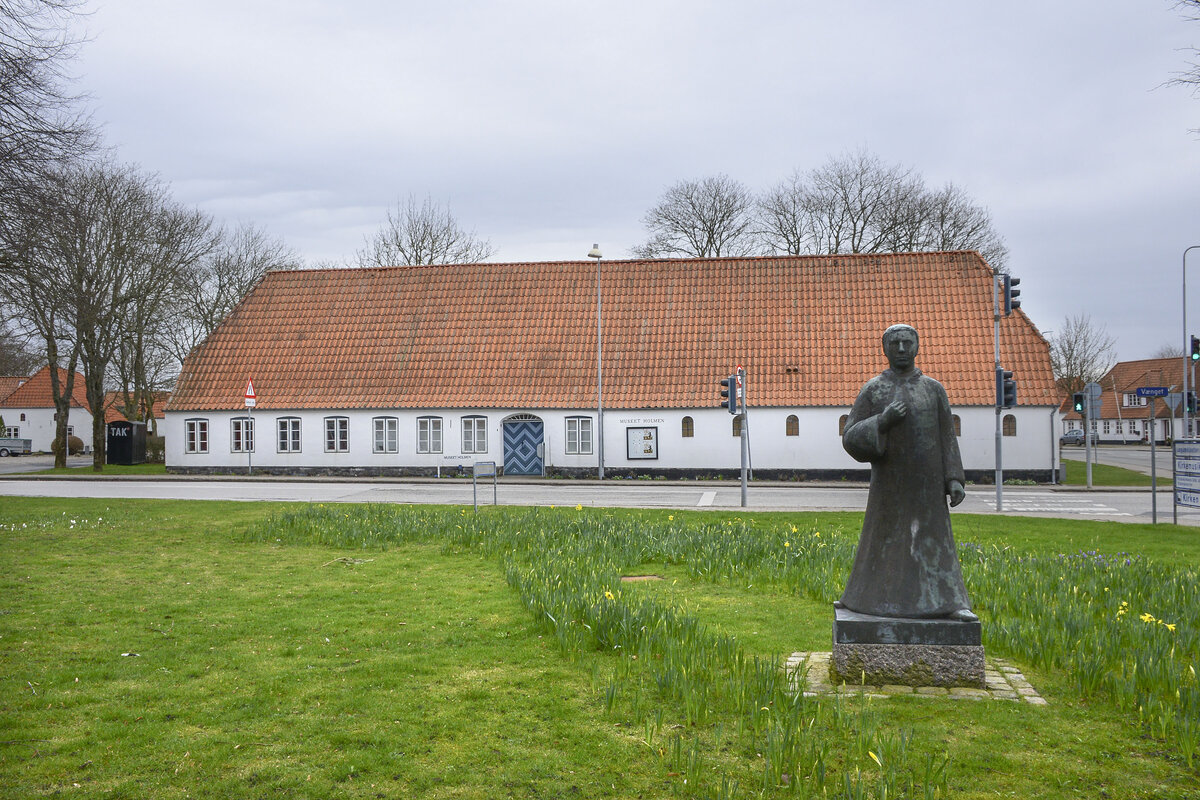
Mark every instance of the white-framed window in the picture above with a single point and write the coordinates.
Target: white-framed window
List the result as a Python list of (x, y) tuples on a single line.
[(195, 436), (71, 432), (579, 436), (429, 435), (1120, 426), (12, 433), (1131, 400), (387, 435), (1107, 426), (474, 435), (287, 431), (1133, 427), (337, 434), (1093, 426), (241, 435)]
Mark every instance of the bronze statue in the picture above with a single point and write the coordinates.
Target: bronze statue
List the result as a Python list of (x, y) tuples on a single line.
[(906, 564)]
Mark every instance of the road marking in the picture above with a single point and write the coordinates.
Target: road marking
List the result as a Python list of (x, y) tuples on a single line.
[(1043, 503), (706, 499)]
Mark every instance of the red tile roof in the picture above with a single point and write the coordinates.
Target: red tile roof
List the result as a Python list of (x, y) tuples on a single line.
[(114, 403), (1128, 377), (8, 383), (807, 329), (38, 393)]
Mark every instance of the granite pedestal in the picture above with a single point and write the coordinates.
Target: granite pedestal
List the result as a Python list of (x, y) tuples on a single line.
[(907, 652)]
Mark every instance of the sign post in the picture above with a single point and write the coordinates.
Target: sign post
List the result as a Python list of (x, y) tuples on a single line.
[(251, 401), (1186, 471), (1152, 392)]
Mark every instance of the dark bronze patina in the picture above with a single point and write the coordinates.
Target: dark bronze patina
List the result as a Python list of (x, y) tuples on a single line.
[(906, 564)]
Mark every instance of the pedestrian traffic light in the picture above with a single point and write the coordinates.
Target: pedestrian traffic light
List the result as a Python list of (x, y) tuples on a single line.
[(1006, 388), (1078, 400), (1195, 349), (1191, 402), (1011, 294), (729, 394)]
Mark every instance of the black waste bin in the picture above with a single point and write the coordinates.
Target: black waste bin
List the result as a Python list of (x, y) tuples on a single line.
[(125, 442)]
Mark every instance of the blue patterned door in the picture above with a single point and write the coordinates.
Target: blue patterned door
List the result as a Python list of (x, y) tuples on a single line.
[(522, 445)]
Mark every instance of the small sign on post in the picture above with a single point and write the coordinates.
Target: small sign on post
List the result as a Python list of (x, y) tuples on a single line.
[(251, 397), (251, 400)]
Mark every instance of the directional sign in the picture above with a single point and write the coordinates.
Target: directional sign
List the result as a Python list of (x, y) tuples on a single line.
[(1187, 472), (1187, 498), (1152, 391)]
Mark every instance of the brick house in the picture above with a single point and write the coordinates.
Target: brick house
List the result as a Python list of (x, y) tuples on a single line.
[(1125, 418)]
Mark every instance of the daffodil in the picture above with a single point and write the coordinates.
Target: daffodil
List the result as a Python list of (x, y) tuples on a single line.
[(1147, 617), (608, 596), (579, 506), (787, 544)]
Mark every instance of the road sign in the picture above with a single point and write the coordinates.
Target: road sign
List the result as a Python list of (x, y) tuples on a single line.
[(1187, 472), (251, 397), (1152, 391), (1093, 391), (1173, 399)]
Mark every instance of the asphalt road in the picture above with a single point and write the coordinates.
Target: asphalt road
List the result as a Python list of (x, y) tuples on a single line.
[(1131, 457), (1126, 506)]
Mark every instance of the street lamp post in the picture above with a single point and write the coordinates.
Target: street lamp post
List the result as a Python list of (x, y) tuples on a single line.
[(595, 253)]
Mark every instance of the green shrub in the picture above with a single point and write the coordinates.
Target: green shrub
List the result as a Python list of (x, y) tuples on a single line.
[(74, 446), (156, 449)]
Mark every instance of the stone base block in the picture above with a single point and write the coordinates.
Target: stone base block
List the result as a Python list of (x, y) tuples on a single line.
[(908, 665)]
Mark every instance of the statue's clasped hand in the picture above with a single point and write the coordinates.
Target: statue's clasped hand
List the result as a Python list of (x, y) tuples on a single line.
[(956, 492), (896, 411)]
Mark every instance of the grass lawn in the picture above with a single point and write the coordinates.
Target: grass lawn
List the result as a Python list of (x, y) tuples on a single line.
[(1106, 475), (150, 649), (109, 469)]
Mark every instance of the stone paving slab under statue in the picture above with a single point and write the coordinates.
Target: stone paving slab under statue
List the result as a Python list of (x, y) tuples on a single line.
[(1003, 682)]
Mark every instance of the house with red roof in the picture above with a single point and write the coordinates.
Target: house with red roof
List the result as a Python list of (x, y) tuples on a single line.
[(1124, 417), (29, 411), (413, 370)]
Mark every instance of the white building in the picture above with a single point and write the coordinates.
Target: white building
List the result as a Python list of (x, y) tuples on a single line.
[(423, 369), (29, 412)]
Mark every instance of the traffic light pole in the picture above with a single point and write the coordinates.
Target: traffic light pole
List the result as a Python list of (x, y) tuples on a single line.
[(999, 431), (745, 434)]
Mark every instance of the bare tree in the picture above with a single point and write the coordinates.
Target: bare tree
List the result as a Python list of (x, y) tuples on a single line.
[(858, 204), (1169, 351), (1191, 76), (30, 290), (424, 233), (211, 288), (18, 356), (1080, 353), (704, 218), (143, 363), (41, 125), (111, 244)]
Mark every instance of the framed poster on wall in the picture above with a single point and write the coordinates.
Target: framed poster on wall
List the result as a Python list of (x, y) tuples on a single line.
[(641, 443)]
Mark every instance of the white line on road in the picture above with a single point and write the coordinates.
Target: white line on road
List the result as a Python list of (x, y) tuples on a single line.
[(706, 499)]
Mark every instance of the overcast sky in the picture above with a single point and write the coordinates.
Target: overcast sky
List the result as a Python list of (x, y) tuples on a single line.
[(547, 126)]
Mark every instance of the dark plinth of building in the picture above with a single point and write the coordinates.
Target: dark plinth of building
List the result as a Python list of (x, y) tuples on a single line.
[(908, 652)]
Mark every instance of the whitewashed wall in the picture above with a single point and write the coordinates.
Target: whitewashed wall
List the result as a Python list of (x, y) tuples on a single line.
[(39, 425), (713, 446)]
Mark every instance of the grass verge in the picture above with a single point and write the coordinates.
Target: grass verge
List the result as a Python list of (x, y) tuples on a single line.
[(1107, 475)]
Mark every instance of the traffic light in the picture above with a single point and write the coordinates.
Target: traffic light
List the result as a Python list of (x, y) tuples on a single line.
[(1195, 349), (1011, 294), (729, 394), (1006, 388), (1191, 402), (1078, 399)]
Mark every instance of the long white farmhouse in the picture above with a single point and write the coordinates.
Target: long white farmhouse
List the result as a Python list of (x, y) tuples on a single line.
[(420, 370)]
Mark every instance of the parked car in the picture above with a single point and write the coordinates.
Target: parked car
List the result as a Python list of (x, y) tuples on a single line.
[(1075, 436)]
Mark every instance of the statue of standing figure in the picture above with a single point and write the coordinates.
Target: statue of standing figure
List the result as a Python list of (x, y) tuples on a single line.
[(906, 564)]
